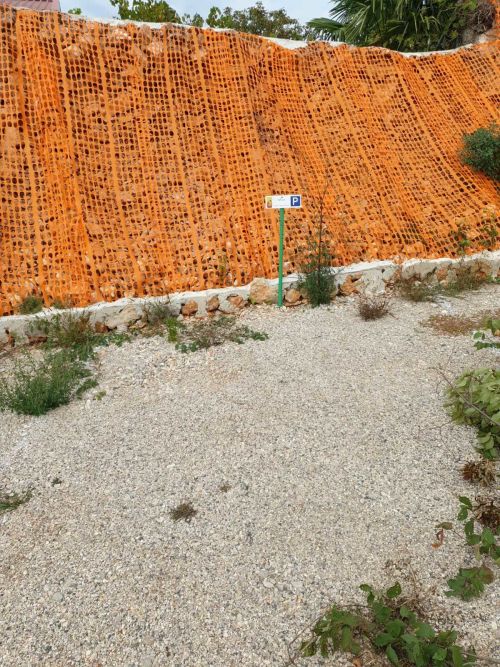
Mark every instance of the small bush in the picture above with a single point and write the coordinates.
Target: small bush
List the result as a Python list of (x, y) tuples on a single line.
[(69, 330), (157, 313), (11, 501), (31, 304), (374, 306), (173, 329), (474, 399), (481, 151), (207, 333), (465, 280), (390, 628), (40, 385)]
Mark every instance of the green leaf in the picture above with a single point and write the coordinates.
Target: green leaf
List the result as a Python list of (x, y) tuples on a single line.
[(392, 655), (456, 655), (393, 591), (383, 639)]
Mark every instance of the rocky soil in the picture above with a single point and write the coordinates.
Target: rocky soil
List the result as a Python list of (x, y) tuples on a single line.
[(315, 461)]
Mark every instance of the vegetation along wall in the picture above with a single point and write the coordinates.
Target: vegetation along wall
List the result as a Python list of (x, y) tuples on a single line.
[(135, 160)]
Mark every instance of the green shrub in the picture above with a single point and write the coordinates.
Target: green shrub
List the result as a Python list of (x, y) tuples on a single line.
[(69, 330), (206, 333), (156, 313), (481, 150), (474, 399), (391, 628), (31, 304), (40, 385)]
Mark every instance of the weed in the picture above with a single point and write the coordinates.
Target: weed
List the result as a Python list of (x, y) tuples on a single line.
[(174, 327), (184, 512), (474, 399), (31, 304), (461, 238), (70, 330), (374, 306), (465, 279), (224, 488), (486, 337), (61, 304), (56, 481), (391, 628), (207, 333), (40, 385), (490, 229), (457, 325), (481, 472), (469, 583), (100, 395), (157, 312), (11, 501), (481, 150)]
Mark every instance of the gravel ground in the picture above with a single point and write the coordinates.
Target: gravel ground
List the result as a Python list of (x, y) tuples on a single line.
[(337, 459)]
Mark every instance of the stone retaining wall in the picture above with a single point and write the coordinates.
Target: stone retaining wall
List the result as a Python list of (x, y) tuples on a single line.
[(371, 277)]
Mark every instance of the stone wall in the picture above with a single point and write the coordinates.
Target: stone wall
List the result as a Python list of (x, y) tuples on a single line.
[(366, 277)]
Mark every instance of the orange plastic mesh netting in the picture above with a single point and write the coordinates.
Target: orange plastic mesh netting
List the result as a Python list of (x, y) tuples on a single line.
[(135, 161)]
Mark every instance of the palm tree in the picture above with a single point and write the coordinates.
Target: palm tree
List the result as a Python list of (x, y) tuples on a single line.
[(404, 25)]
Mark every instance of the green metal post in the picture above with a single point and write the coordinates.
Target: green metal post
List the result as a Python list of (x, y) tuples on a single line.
[(280, 265)]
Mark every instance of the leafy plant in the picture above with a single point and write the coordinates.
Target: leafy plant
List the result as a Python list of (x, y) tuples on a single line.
[(31, 304), (469, 583), (184, 512), (474, 399), (317, 278), (71, 330), (207, 333), (486, 337), (40, 385), (392, 628), (405, 25), (173, 329), (461, 238), (481, 150), (156, 313), (11, 501), (490, 229)]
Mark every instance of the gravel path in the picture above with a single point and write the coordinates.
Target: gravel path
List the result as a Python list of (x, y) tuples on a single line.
[(334, 455)]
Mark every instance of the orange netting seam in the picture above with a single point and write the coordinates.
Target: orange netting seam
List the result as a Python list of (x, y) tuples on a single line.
[(135, 160)]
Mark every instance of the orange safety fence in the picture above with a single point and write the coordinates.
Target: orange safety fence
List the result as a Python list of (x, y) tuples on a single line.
[(136, 160)]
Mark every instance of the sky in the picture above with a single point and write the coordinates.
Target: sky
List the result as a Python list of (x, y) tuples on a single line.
[(298, 9)]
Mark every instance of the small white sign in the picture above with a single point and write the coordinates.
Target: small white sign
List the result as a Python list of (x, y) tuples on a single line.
[(283, 201)]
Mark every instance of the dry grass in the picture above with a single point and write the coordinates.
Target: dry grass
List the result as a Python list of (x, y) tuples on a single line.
[(183, 512), (374, 306), (459, 325), (481, 472)]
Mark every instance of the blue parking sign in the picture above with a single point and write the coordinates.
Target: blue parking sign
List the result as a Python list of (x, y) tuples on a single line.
[(295, 201)]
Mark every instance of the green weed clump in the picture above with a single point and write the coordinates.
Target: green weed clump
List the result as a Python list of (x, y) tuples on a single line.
[(481, 151), (208, 333), (389, 627), (69, 330), (40, 385), (11, 501), (474, 399), (31, 304)]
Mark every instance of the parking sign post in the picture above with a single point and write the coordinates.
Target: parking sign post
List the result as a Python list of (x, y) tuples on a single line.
[(282, 202)]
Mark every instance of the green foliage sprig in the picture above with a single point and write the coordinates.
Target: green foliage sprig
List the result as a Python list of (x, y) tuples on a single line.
[(391, 627), (486, 337), (474, 399), (481, 150)]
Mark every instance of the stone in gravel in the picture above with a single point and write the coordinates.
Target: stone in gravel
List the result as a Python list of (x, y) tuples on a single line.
[(237, 301), (189, 308)]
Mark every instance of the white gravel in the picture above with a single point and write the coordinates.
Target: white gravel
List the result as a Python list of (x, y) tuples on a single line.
[(339, 457)]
